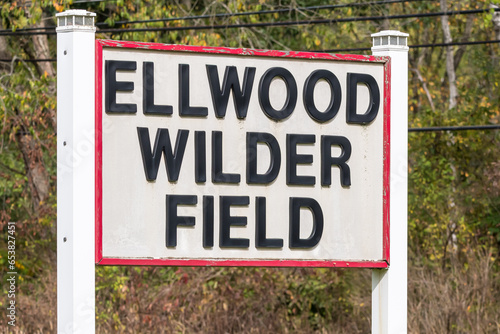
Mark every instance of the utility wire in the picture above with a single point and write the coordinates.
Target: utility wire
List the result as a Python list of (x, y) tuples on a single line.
[(416, 46), (454, 43), (266, 24), (229, 15), (271, 11), (36, 60), (455, 128), (296, 23)]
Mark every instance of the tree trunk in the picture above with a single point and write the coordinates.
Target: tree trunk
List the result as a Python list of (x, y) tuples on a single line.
[(38, 178), (496, 21), (465, 37), (41, 51), (450, 63), (451, 237)]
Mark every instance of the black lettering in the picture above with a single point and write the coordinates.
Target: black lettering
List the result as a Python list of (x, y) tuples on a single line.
[(218, 176), (260, 226), (296, 203), (112, 86), (293, 159), (220, 96), (184, 108), (226, 221), (173, 220), (327, 161), (208, 221), (151, 159), (291, 93), (148, 92), (335, 98), (200, 158), (274, 149), (353, 79)]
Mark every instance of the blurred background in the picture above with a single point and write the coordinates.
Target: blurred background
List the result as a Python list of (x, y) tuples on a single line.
[(454, 169)]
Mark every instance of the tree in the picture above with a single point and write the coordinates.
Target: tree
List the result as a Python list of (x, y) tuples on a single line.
[(453, 200)]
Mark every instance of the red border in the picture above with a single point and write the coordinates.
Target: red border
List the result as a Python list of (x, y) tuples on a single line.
[(100, 260), (387, 163), (242, 263), (98, 152)]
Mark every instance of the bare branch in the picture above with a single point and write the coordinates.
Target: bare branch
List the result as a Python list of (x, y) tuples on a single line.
[(424, 86)]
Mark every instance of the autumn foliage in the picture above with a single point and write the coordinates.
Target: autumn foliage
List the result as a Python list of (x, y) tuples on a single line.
[(454, 176)]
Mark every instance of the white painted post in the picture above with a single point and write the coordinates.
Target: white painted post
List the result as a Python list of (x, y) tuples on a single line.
[(389, 286), (75, 172)]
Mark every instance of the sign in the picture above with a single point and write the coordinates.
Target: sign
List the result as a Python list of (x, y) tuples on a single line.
[(218, 156)]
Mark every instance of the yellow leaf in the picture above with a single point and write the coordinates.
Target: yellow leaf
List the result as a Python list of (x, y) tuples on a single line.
[(57, 6)]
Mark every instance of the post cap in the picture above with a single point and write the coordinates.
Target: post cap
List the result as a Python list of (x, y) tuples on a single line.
[(390, 40), (75, 19)]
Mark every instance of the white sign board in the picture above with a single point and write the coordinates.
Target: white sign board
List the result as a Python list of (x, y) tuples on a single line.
[(217, 156)]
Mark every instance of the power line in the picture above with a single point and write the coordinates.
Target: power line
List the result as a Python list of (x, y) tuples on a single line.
[(267, 24), (455, 128), (228, 15), (454, 44), (296, 23), (36, 60), (416, 46), (271, 11)]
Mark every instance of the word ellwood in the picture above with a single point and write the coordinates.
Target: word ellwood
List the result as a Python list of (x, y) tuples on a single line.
[(241, 95)]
